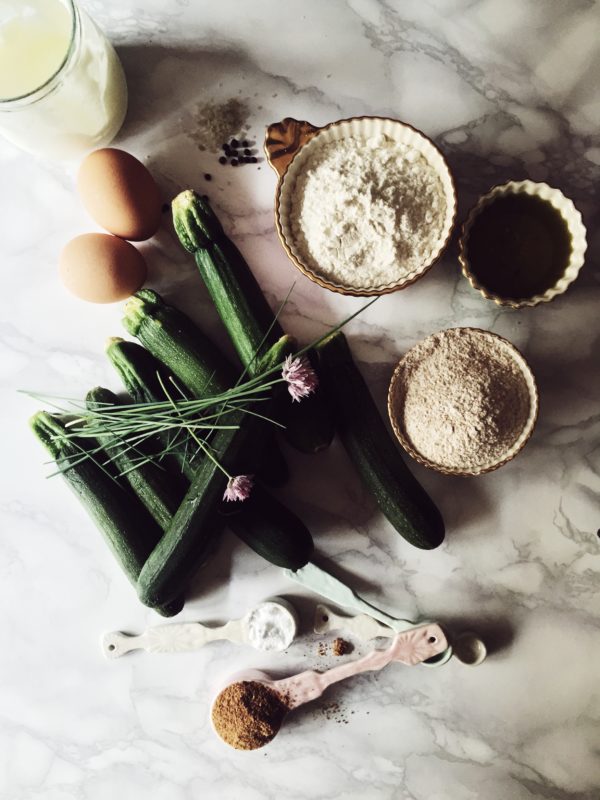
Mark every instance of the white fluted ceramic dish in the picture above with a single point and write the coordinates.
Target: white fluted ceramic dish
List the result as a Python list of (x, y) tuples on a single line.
[(395, 405), (289, 145), (572, 219)]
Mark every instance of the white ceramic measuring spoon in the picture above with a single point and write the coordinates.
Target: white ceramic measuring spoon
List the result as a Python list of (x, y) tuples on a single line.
[(181, 637), (409, 647)]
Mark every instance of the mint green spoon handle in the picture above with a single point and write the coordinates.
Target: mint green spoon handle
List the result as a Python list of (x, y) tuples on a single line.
[(326, 585)]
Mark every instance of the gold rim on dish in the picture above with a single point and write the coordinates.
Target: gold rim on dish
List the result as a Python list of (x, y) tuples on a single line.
[(572, 219), (517, 446), (285, 139)]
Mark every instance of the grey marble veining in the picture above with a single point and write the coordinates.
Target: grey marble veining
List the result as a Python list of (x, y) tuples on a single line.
[(508, 89)]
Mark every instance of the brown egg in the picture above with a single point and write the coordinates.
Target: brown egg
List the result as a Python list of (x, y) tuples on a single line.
[(120, 194), (101, 268)]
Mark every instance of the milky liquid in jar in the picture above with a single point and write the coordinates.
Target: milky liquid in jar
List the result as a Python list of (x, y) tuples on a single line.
[(62, 86)]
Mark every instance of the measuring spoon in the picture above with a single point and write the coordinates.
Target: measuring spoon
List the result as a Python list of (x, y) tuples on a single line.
[(180, 637), (325, 584), (363, 626), (409, 647), (468, 648)]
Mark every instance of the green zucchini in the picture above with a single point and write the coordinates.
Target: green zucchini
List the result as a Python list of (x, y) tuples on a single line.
[(262, 522), (139, 370), (271, 530), (245, 313), (193, 359), (174, 560), (398, 493), (173, 338), (234, 289), (128, 528), (160, 491)]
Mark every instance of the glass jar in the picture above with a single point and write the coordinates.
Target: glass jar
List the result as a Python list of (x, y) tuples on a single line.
[(82, 102)]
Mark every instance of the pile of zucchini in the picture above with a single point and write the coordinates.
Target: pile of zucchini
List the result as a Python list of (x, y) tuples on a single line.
[(163, 519)]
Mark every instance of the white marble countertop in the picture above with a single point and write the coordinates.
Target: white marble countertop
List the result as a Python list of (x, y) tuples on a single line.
[(508, 89)]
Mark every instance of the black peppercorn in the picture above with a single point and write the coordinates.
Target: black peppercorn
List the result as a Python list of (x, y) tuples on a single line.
[(207, 176), (234, 162), (223, 160)]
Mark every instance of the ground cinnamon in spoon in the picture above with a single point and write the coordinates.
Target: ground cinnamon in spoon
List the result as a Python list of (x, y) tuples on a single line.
[(248, 714)]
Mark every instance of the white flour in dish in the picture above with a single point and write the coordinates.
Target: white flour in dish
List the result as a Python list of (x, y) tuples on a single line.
[(367, 213)]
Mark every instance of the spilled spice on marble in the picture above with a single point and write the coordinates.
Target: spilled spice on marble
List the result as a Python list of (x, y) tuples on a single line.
[(334, 712), (340, 647)]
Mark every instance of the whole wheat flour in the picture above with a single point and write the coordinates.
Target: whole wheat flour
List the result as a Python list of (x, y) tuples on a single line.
[(462, 400), (366, 213)]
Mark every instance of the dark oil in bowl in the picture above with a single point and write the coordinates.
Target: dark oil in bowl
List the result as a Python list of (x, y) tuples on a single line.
[(519, 246)]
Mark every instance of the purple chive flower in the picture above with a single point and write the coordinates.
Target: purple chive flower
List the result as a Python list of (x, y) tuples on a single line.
[(300, 377), (238, 488)]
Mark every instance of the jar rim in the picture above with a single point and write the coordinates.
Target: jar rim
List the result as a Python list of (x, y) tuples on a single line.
[(7, 103)]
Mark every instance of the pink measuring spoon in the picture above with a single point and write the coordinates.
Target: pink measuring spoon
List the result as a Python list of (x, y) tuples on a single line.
[(409, 647)]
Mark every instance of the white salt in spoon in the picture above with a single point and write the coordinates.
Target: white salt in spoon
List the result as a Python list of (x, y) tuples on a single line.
[(409, 647), (270, 625)]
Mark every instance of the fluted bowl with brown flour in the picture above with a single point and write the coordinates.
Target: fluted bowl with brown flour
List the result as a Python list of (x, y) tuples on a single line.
[(463, 401), (364, 206)]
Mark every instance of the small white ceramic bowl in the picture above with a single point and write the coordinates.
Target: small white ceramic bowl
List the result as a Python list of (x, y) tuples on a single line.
[(572, 219), (289, 146)]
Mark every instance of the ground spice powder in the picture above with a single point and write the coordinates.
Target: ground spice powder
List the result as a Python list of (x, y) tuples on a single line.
[(248, 714), (340, 647)]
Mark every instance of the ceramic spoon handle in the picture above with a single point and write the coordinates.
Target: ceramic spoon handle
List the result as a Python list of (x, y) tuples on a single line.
[(333, 589), (410, 648), (178, 637), (363, 626)]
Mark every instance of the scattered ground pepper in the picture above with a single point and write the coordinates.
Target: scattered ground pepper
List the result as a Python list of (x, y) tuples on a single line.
[(334, 712), (248, 714)]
